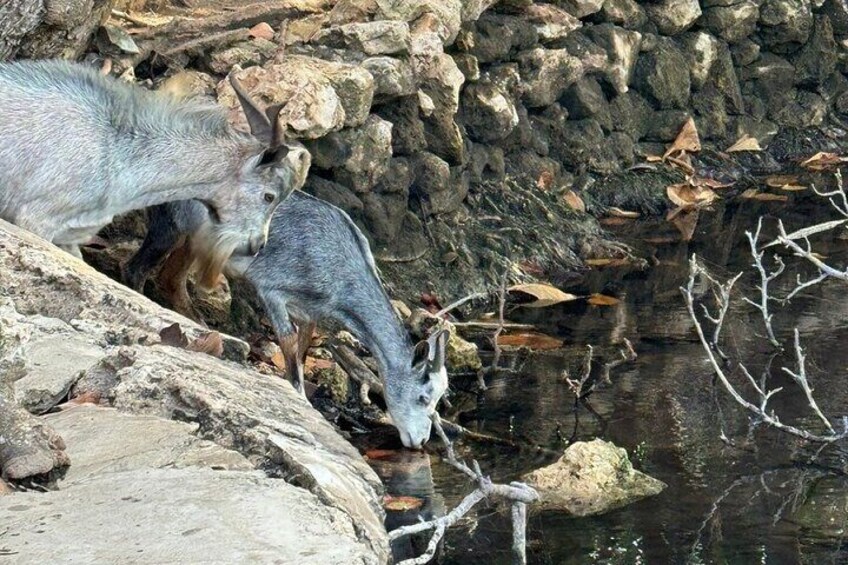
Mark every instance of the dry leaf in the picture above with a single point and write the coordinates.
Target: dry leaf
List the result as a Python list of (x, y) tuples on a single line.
[(687, 196), (603, 300), (745, 143), (607, 262), (822, 161), (683, 162), (685, 221), (209, 343), (401, 503), (542, 294), (754, 194), (653, 158), (687, 140), (785, 182), (545, 180), (533, 340), (574, 201), (709, 183), (173, 335), (619, 213)]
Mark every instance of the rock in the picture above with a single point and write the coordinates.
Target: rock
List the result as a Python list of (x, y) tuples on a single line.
[(723, 76), (384, 214), (546, 74), (733, 22), (592, 56), (243, 54), (392, 77), (591, 478), (784, 23), (285, 523), (365, 153), (488, 112), (408, 128), (468, 65), (665, 125), (497, 36), (816, 61), (585, 99), (674, 16), (55, 362), (662, 75), (630, 113), (262, 30), (837, 13), (334, 193), (744, 52), (552, 23), (354, 86), (486, 163), (581, 8), (448, 13), (326, 373), (372, 38), (622, 48), (580, 145), (237, 408), (701, 51), (625, 13), (431, 174), (186, 84), (311, 106)]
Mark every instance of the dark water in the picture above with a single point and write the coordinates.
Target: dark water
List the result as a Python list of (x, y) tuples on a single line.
[(764, 499)]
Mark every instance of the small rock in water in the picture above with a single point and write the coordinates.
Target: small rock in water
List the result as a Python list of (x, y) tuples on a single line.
[(591, 478)]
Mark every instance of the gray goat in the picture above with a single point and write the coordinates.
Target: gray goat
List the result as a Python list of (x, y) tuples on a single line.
[(78, 148), (317, 266)]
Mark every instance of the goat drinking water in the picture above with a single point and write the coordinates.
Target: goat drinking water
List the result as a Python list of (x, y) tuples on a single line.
[(317, 266)]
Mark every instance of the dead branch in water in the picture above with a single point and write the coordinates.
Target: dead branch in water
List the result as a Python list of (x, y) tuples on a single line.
[(516, 493), (761, 411), (357, 370), (766, 277)]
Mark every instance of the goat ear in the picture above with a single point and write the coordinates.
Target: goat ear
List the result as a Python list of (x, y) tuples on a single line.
[(437, 350), (259, 124), (278, 134)]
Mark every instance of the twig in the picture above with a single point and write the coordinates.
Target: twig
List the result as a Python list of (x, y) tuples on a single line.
[(765, 278), (357, 370), (519, 494), (460, 302), (760, 411), (801, 378), (825, 270)]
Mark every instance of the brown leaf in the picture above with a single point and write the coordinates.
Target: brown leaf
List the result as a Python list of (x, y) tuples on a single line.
[(574, 201), (687, 140), (533, 340), (209, 343), (401, 503), (89, 397), (709, 183), (173, 335), (613, 221), (603, 300), (687, 196), (619, 213), (545, 181), (262, 30), (377, 454), (653, 158), (541, 294), (785, 182), (745, 143), (822, 161), (314, 364), (685, 221), (607, 262), (683, 162), (754, 194)]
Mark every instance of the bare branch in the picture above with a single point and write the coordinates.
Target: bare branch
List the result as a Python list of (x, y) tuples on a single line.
[(460, 302), (765, 278), (800, 377)]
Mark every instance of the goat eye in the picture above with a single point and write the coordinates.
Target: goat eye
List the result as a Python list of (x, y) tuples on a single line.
[(269, 197)]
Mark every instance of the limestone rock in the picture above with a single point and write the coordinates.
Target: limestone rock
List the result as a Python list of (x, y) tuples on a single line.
[(244, 54), (591, 478), (622, 47), (468, 65), (785, 22), (581, 8), (488, 112), (189, 83), (701, 51), (392, 77), (383, 37), (674, 16), (663, 76), (547, 73), (732, 22), (551, 23), (585, 99), (625, 13), (408, 128), (447, 12), (353, 85), (497, 36), (816, 61)]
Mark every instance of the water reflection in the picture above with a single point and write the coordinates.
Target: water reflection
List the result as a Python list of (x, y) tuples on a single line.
[(752, 497)]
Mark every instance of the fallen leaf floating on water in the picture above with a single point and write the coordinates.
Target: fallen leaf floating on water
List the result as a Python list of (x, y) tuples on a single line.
[(785, 182), (574, 201), (619, 213), (754, 194), (533, 340), (209, 343), (823, 161), (607, 262), (401, 503), (686, 141), (378, 454), (745, 143), (603, 300), (543, 295)]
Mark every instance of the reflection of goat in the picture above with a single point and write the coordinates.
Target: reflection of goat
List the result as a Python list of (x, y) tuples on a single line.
[(316, 266), (78, 148)]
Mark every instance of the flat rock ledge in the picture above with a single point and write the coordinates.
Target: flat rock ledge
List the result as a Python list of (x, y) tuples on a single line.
[(186, 458)]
